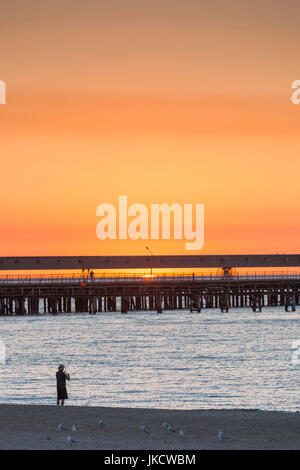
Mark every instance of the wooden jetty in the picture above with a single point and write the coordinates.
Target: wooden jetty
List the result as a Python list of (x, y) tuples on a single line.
[(71, 293)]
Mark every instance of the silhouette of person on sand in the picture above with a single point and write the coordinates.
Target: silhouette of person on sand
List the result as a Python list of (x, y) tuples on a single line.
[(61, 388)]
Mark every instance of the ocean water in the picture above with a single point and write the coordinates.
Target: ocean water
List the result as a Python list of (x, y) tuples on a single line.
[(175, 360)]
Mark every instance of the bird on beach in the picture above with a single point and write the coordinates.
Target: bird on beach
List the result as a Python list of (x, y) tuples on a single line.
[(170, 428), (144, 429), (60, 427), (221, 435), (100, 422), (71, 440), (74, 428), (181, 432), (165, 425)]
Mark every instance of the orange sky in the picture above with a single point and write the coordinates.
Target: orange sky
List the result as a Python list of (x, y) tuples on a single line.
[(167, 102)]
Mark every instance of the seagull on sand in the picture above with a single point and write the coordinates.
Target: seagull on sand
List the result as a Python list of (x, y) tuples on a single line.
[(221, 435), (100, 422), (74, 428), (71, 440), (170, 428), (144, 429), (165, 425), (60, 427), (181, 432)]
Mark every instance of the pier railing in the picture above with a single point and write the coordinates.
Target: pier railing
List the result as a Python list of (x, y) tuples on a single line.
[(78, 278)]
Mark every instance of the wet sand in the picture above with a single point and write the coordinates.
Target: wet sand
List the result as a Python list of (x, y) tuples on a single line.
[(36, 427)]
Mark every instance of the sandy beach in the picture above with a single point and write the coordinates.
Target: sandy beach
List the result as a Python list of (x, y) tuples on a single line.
[(36, 427)]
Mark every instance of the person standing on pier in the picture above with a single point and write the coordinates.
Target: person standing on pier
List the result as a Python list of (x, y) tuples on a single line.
[(61, 378)]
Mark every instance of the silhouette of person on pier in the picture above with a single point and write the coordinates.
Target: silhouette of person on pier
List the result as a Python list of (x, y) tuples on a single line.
[(61, 388), (92, 275)]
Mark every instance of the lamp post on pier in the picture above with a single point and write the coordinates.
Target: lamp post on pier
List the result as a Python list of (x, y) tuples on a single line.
[(151, 254)]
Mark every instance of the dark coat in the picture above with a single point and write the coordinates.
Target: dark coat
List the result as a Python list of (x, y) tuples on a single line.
[(61, 378)]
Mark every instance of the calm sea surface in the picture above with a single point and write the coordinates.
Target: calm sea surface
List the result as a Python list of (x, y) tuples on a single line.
[(172, 360)]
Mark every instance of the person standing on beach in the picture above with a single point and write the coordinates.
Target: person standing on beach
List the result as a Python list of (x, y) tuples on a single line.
[(61, 378)]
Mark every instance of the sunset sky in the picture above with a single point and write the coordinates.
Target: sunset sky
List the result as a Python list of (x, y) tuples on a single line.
[(162, 101)]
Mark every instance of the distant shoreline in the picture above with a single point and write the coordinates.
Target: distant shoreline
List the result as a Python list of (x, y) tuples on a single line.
[(36, 427)]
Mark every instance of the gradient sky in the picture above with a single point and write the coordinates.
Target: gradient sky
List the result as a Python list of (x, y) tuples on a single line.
[(162, 101)]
